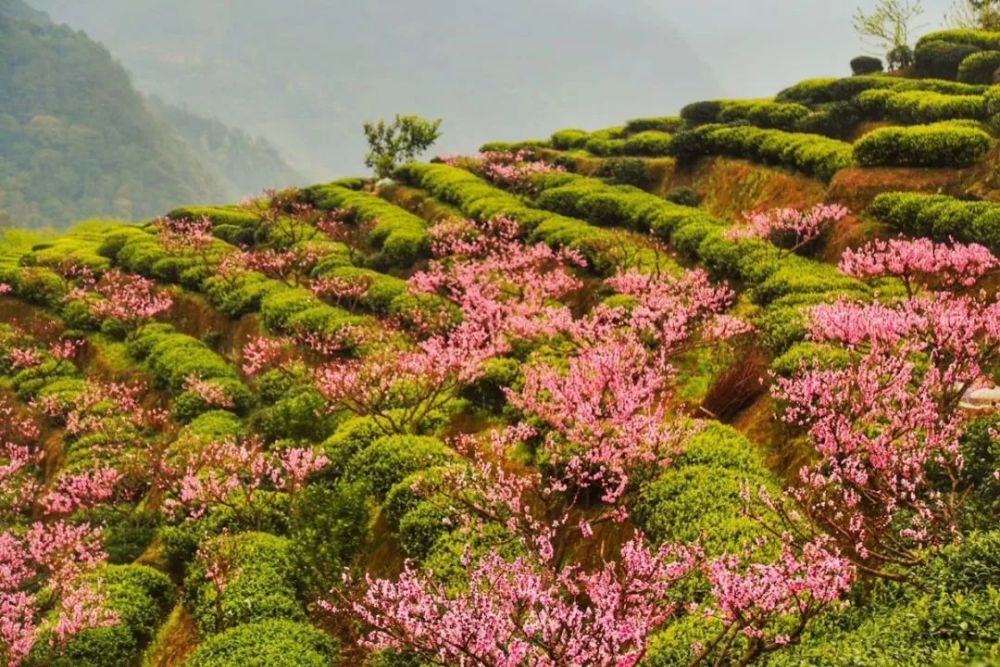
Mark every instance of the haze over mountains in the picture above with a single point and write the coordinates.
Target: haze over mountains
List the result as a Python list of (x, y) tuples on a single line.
[(78, 140), (306, 74)]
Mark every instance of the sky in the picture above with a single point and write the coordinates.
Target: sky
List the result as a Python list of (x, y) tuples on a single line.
[(306, 74)]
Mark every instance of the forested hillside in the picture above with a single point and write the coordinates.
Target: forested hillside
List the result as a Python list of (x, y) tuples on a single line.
[(717, 388), (245, 164), (77, 140)]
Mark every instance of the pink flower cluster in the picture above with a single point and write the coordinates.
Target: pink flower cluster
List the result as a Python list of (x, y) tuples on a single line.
[(212, 393), (751, 597), (125, 297), (229, 473), (789, 226), (515, 614), (261, 353), (920, 262), (889, 414), (184, 236), (515, 169), (288, 266), (60, 554), (76, 491)]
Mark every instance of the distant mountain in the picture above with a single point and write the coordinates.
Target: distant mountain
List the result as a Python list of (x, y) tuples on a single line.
[(306, 74), (77, 139), (246, 164)]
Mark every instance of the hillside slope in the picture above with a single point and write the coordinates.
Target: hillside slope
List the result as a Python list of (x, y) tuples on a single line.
[(77, 140), (717, 388)]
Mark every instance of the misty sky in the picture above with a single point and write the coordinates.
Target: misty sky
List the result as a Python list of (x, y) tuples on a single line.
[(306, 73)]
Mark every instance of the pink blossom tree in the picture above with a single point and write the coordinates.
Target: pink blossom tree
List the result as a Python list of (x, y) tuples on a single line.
[(520, 613), (515, 169), (59, 555), (231, 473), (188, 238), (886, 425), (129, 299), (789, 227)]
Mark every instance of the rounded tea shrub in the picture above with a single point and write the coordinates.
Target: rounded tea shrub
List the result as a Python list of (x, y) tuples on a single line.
[(979, 68), (866, 65), (273, 643), (940, 60)]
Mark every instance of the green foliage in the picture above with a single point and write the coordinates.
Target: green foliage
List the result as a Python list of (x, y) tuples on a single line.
[(784, 283), (515, 146), (822, 91), (480, 200), (626, 171), (273, 643), (390, 459), (401, 237), (651, 143), (141, 596), (684, 196), (940, 59), (328, 529), (979, 67), (807, 353), (421, 528), (811, 154), (937, 145), (570, 139), (920, 107), (173, 357), (262, 584), (77, 140), (698, 496), (982, 39), (767, 114), (945, 613), (286, 309), (940, 216), (864, 65), (402, 140), (705, 111), (661, 123), (352, 436), (981, 452)]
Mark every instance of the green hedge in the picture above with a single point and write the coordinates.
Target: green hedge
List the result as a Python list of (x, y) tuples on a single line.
[(390, 459), (937, 145), (482, 201), (865, 65), (921, 107), (811, 154), (698, 496), (940, 217), (400, 237), (940, 59), (569, 139), (983, 39), (172, 357), (262, 586), (821, 91), (944, 614), (294, 309), (773, 277), (274, 643), (661, 123), (979, 67), (767, 114), (514, 146), (651, 143), (141, 596)]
